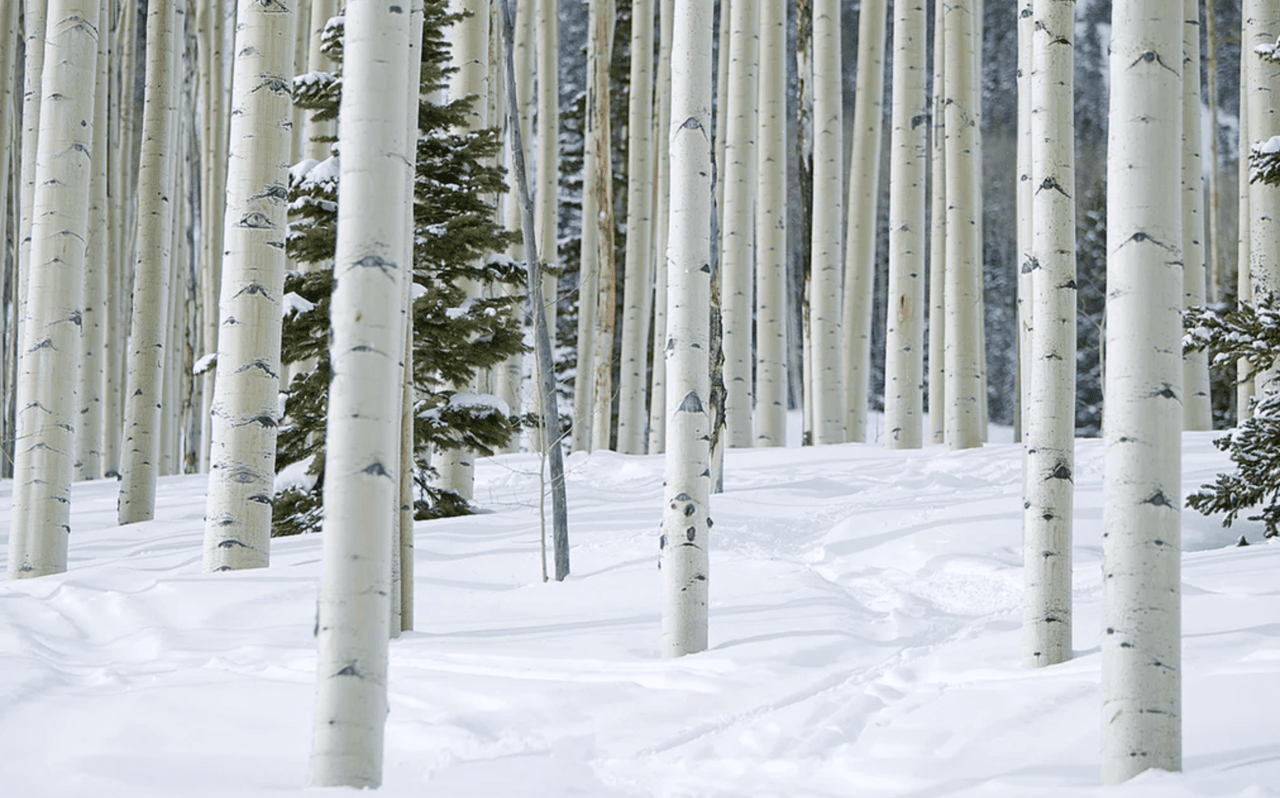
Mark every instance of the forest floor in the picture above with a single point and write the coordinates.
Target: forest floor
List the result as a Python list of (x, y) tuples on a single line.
[(865, 613)]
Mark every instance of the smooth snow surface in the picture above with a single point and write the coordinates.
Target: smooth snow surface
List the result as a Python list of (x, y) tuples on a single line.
[(864, 642)]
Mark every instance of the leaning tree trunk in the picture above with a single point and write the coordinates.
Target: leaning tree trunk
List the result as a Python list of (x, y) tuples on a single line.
[(686, 523), (1196, 404), (148, 332), (638, 288), (245, 406), (737, 232), (44, 446), (904, 336), (363, 440), (1049, 464), (864, 194), (771, 230), (963, 274), (1141, 657), (826, 240)]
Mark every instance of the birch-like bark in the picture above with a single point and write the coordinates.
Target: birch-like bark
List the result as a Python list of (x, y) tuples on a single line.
[(1196, 405), (1049, 464), (723, 53), (686, 524), (44, 446), (1244, 282), (963, 356), (662, 219), (904, 336), (35, 18), (826, 241), (638, 289), (245, 406), (737, 231), (771, 230), (92, 374), (10, 120), (316, 133), (547, 169), (1025, 214), (363, 441), (148, 336), (938, 236), (1215, 266), (1262, 27), (864, 194), (301, 49), (1141, 658)]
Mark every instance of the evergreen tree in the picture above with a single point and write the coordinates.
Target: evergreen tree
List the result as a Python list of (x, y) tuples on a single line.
[(457, 239)]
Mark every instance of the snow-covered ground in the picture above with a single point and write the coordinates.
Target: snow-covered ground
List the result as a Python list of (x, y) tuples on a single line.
[(864, 642)]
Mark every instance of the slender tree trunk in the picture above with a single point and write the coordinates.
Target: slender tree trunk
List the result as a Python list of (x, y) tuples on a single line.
[(1196, 404), (1244, 282), (938, 236), (363, 440), (1262, 27), (1049, 463), (638, 287), (904, 336), (686, 524), (35, 15), (141, 458), (542, 338), (826, 248), (771, 230), (246, 405), (89, 386), (737, 249), (723, 54), (1141, 658), (44, 447), (606, 271), (1025, 191), (301, 65), (1216, 276), (964, 368), (547, 210), (864, 187), (10, 121), (658, 385)]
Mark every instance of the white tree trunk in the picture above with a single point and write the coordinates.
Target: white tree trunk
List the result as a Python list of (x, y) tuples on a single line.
[(904, 336), (963, 274), (826, 247), (864, 195), (149, 329), (1244, 282), (1049, 465), (686, 525), (10, 121), (89, 386), (771, 230), (1215, 266), (245, 406), (737, 231), (662, 218), (363, 439), (1262, 27), (938, 237), (1197, 407), (546, 195), (44, 445), (638, 288), (34, 16), (724, 9), (1141, 659), (1025, 191)]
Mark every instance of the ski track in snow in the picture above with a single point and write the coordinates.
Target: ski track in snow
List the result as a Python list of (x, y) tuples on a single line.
[(865, 629)]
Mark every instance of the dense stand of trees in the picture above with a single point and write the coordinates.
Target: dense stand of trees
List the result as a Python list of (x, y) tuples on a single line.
[(715, 242)]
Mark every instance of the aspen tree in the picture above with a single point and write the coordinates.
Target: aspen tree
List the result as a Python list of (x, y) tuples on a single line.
[(1261, 20), (34, 13), (363, 430), (1196, 405), (1244, 284), (937, 236), (1049, 463), (607, 271), (245, 408), (737, 234), (771, 230), (1025, 212), (1141, 659), (9, 123), (686, 524), (1215, 268), (638, 289), (141, 455), (964, 372), (826, 248), (547, 169), (864, 194), (904, 337), (724, 11), (44, 444), (92, 375), (662, 218)]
